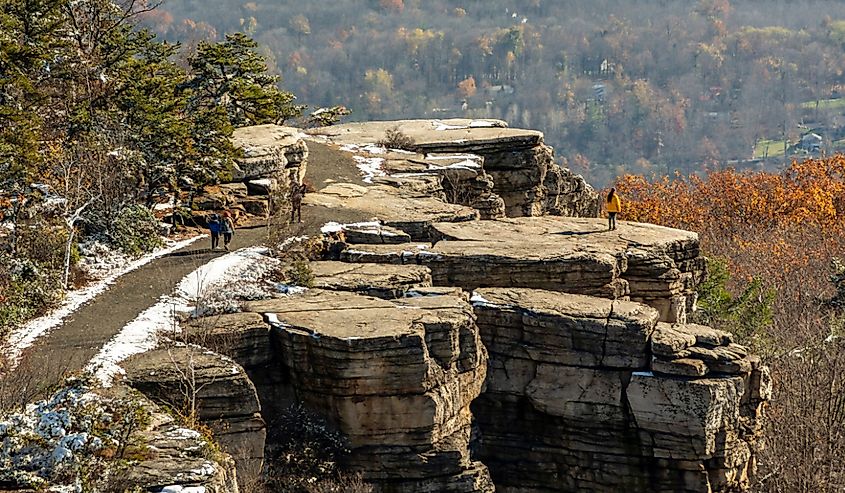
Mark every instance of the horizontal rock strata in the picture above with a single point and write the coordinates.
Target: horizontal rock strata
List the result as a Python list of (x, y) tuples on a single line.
[(658, 266), (597, 411), (523, 171), (225, 398), (395, 377), (412, 215), (269, 151), (178, 458), (379, 280)]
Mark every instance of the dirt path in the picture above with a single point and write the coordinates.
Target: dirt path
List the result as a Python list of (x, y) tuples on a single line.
[(69, 347)]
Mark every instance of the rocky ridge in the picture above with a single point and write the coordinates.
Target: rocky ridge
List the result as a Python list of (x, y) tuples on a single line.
[(525, 354), (480, 163)]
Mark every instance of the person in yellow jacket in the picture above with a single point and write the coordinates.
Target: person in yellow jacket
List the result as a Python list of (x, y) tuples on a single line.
[(614, 207)]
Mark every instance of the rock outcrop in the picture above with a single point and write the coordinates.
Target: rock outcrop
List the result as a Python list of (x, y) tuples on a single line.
[(178, 460), (521, 167), (395, 377), (606, 399), (381, 281), (269, 151), (658, 266), (413, 215), (224, 397), (272, 157)]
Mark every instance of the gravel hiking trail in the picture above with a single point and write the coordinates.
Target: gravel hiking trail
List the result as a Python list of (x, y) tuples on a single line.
[(69, 347)]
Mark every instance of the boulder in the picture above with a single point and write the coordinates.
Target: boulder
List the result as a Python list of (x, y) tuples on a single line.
[(256, 206), (262, 186), (395, 377), (178, 458), (226, 400), (269, 151)]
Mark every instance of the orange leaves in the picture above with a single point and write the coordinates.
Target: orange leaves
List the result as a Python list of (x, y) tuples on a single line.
[(763, 222)]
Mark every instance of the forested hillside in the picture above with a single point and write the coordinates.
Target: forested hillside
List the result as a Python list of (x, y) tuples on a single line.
[(98, 121), (645, 86)]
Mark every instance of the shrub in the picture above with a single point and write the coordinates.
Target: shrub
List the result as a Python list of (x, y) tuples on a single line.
[(747, 315), (26, 291), (300, 274), (394, 138), (135, 230), (306, 456)]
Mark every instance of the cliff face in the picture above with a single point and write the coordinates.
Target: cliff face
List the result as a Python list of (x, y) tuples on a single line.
[(523, 176), (607, 399), (515, 354)]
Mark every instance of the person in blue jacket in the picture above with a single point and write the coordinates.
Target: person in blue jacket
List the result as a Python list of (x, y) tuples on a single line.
[(214, 227)]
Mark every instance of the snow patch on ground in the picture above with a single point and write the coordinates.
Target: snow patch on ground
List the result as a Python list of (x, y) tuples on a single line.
[(333, 227), (370, 167), (24, 336), (216, 287)]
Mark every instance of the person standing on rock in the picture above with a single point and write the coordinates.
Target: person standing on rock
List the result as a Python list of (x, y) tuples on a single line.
[(614, 207), (227, 227), (297, 192), (213, 222)]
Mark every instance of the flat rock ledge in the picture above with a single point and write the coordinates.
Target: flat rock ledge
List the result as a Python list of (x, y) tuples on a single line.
[(379, 280), (413, 215), (603, 403), (395, 377), (658, 266)]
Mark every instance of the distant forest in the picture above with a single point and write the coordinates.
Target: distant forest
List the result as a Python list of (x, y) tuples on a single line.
[(637, 86)]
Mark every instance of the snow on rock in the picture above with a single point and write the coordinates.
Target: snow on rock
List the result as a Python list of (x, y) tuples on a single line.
[(177, 488), (24, 336), (54, 435), (333, 227), (220, 286)]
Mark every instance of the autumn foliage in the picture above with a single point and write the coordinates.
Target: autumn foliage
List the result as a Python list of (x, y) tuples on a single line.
[(770, 224)]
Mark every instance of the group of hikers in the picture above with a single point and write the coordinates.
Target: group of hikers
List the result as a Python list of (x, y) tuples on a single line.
[(223, 223), (220, 223)]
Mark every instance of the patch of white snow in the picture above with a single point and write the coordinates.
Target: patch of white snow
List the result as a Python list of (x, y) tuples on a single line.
[(24, 336)]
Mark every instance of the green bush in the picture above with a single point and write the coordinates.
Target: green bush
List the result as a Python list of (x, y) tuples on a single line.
[(26, 291), (135, 230), (746, 315), (300, 274)]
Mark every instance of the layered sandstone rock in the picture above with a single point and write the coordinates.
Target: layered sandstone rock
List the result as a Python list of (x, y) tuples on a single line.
[(522, 168), (412, 215), (396, 378), (178, 459), (225, 398), (381, 281), (272, 157), (597, 412), (269, 151), (659, 266)]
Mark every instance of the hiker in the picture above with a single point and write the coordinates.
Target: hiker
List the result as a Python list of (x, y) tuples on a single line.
[(213, 222), (227, 228), (614, 207), (297, 192)]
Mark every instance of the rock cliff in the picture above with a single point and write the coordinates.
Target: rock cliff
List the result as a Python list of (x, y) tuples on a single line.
[(608, 399), (480, 163), (395, 377), (658, 266), (459, 350)]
